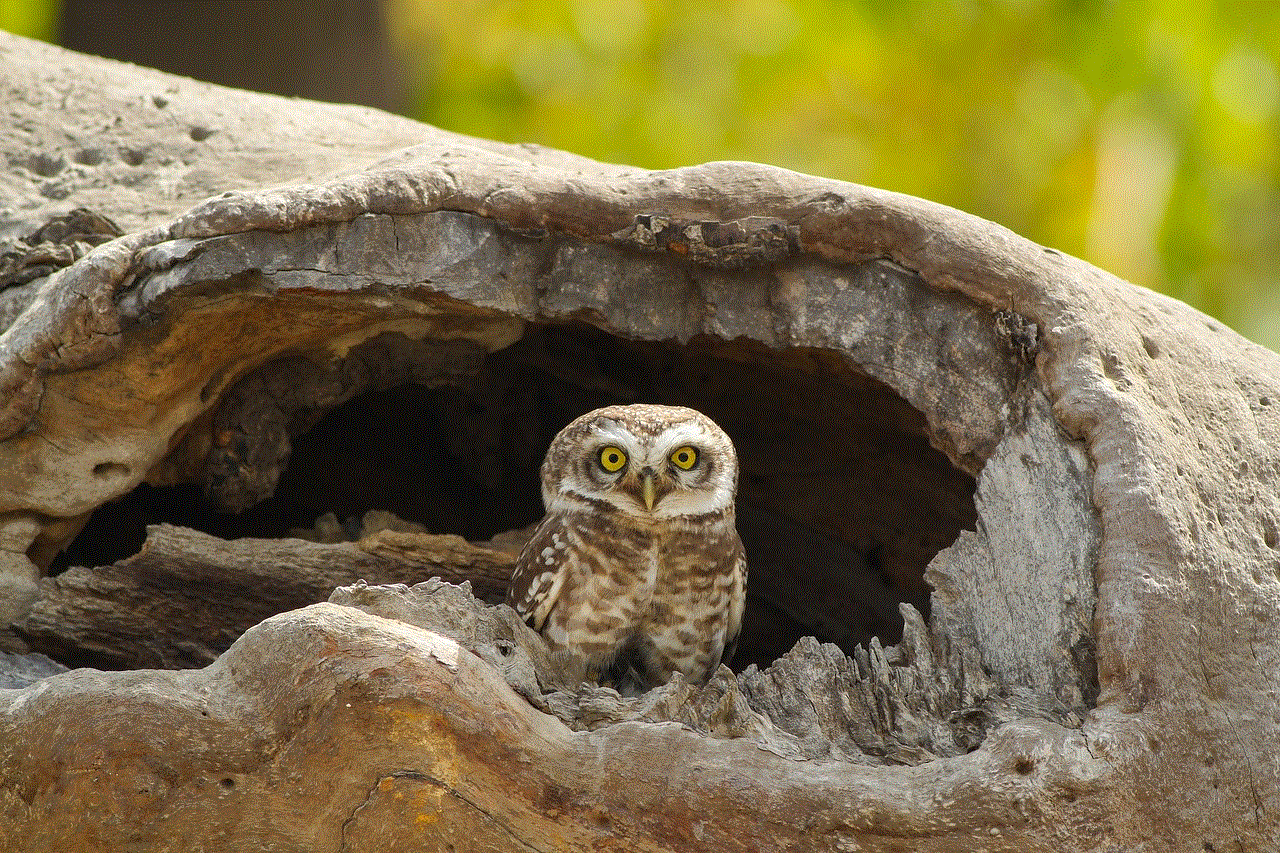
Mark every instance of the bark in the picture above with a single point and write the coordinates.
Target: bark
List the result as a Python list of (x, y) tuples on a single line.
[(1064, 487)]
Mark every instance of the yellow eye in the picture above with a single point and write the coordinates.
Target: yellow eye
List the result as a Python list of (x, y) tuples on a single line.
[(612, 458), (685, 457)]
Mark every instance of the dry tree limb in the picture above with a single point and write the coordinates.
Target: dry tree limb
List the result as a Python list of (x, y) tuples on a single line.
[(187, 596)]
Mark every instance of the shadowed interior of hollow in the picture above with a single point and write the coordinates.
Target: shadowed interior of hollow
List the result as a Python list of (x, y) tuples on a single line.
[(842, 501)]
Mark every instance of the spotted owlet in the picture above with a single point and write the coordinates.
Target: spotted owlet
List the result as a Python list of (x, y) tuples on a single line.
[(637, 562)]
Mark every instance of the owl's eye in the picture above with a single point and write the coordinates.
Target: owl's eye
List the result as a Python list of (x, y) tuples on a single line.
[(612, 458), (685, 457)]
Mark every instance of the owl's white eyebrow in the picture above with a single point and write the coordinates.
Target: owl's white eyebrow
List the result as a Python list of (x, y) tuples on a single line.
[(613, 434), (680, 435)]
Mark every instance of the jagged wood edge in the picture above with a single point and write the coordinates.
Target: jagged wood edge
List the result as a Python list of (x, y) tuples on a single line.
[(187, 596), (922, 699)]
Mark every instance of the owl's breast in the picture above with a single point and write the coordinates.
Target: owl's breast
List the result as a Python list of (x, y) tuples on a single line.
[(638, 567)]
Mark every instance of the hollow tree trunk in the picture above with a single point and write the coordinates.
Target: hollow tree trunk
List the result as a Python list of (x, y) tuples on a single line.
[(1012, 523)]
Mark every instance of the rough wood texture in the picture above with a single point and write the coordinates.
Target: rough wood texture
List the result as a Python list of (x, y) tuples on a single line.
[(1053, 383), (906, 704), (187, 596), (328, 728), (1037, 523), (21, 670)]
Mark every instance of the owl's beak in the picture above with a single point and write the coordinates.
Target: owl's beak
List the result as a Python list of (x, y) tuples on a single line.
[(649, 489)]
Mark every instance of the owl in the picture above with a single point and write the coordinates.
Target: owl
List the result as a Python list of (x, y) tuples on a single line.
[(636, 567)]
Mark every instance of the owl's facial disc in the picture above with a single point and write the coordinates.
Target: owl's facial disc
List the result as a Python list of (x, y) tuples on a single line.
[(649, 463)]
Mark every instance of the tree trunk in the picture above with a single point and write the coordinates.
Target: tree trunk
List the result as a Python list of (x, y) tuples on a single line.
[(1011, 522)]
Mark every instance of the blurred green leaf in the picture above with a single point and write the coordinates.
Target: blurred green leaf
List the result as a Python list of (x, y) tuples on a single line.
[(36, 19)]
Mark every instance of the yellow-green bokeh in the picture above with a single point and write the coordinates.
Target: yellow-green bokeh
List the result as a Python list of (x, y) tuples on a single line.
[(36, 19)]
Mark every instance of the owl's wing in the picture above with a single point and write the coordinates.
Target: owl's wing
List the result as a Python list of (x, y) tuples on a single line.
[(540, 572), (737, 561)]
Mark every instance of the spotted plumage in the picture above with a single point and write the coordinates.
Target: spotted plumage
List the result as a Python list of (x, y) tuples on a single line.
[(636, 564)]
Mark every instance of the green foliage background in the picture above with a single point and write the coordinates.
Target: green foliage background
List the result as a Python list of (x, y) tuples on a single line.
[(1139, 135)]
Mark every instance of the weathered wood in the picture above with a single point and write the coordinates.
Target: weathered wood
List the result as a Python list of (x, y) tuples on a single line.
[(1116, 436), (21, 670), (328, 728), (905, 704), (1021, 588), (187, 596)]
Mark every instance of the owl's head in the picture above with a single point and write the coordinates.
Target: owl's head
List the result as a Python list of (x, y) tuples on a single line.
[(644, 461)]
